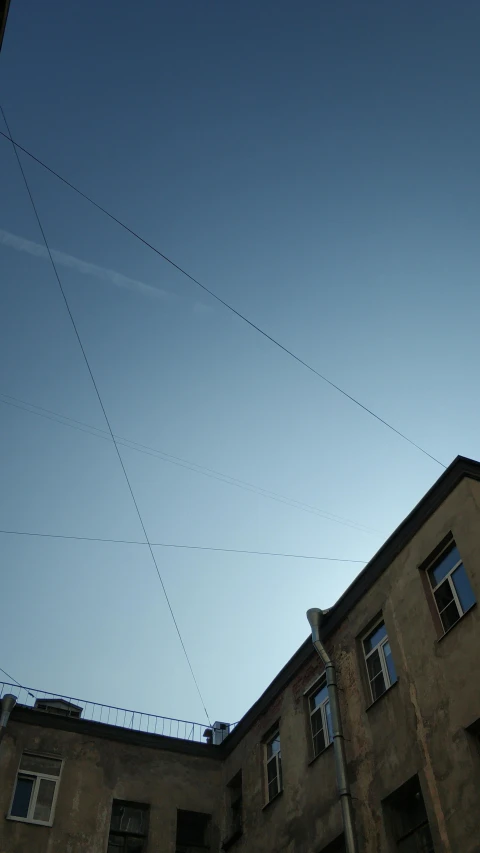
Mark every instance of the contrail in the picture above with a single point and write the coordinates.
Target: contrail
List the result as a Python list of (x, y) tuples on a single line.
[(103, 273)]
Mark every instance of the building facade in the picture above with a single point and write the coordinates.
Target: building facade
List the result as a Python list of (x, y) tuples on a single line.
[(405, 639)]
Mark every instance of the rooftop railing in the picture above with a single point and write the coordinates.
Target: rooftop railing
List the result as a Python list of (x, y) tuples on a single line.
[(138, 721)]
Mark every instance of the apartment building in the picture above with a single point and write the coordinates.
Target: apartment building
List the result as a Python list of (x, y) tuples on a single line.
[(76, 777)]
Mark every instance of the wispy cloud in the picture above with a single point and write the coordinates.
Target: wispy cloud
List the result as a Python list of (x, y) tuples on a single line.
[(20, 244)]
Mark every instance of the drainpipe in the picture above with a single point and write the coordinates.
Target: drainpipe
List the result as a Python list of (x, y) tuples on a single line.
[(8, 704), (315, 616)]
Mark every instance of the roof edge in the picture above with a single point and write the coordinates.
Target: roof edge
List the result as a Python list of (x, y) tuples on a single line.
[(462, 467)]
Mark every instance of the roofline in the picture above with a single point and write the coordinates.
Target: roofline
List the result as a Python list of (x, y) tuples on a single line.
[(93, 728), (461, 467)]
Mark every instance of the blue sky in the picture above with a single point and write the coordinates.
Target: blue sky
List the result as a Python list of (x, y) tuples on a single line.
[(315, 164)]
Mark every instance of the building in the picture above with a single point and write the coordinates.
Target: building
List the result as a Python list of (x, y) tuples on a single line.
[(405, 637)]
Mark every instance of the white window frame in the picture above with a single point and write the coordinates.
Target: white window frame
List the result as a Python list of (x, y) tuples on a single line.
[(447, 578), (37, 777), (322, 708), (278, 766), (381, 655)]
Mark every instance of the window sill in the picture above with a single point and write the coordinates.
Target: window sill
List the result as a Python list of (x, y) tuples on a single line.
[(376, 701), (462, 617), (229, 842), (31, 822), (313, 760), (273, 800)]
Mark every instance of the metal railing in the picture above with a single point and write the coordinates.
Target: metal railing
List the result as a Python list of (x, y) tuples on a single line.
[(94, 711)]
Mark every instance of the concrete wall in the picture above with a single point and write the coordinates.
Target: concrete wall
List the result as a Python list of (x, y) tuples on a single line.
[(417, 727), (96, 771)]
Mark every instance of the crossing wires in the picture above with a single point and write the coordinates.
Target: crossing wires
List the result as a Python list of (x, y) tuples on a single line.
[(107, 421), (225, 304)]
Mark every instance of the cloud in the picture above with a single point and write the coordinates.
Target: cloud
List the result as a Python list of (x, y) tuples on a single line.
[(20, 244)]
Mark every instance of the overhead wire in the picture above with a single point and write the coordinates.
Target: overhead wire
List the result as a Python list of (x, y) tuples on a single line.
[(163, 456), (107, 421), (10, 677), (176, 545), (226, 304)]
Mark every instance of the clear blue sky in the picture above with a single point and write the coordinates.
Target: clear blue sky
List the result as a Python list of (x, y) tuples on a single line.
[(317, 165)]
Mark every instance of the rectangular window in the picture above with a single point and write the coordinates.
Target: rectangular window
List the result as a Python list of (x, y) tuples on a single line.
[(128, 827), (235, 803), (379, 661), (408, 819), (192, 830), (320, 718), (274, 766), (35, 790), (450, 586)]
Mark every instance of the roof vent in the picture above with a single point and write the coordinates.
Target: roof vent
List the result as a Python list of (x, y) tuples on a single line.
[(60, 707), (220, 732)]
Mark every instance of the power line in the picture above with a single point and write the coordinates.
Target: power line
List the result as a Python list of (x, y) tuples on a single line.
[(223, 302), (11, 677), (87, 363), (176, 545), (183, 463)]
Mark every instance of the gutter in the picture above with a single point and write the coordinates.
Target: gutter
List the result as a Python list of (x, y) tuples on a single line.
[(315, 616)]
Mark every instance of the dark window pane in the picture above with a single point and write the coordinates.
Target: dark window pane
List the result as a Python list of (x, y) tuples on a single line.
[(21, 799), (390, 665), (135, 845), (373, 664), (374, 638), (443, 595), (450, 616), (272, 789), (40, 764), (378, 686), (447, 562), (192, 828), (272, 770), (43, 806), (319, 742), (463, 588), (317, 722), (116, 843), (280, 776)]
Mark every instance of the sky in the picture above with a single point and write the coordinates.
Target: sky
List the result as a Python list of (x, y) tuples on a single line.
[(316, 165)]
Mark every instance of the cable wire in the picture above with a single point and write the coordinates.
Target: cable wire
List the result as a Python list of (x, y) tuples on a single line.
[(163, 456), (11, 677), (87, 363), (175, 545), (224, 303)]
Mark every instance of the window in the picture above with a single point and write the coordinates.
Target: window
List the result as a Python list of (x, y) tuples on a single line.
[(408, 819), (320, 718), (35, 790), (274, 766), (235, 802), (450, 586), (378, 657), (128, 827), (192, 830)]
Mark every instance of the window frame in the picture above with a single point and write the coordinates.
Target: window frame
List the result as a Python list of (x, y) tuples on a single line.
[(124, 833), (429, 569), (319, 685), (277, 758), (37, 778), (381, 654)]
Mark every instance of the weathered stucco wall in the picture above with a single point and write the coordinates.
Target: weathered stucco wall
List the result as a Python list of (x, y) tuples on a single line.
[(418, 726), (97, 770)]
